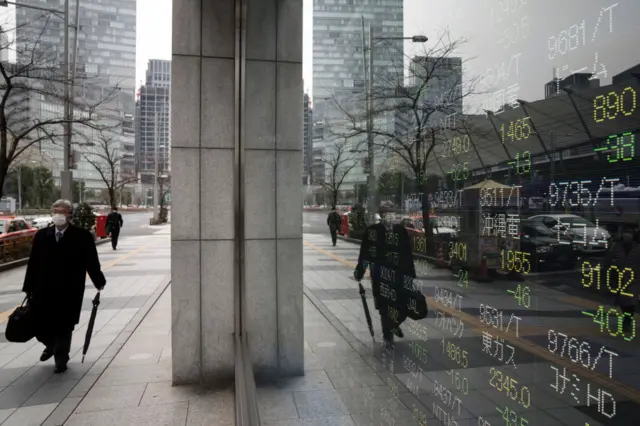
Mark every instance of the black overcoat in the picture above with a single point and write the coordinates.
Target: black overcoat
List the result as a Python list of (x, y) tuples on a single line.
[(56, 274), (387, 254)]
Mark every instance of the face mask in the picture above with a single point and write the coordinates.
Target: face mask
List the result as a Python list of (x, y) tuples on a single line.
[(59, 219)]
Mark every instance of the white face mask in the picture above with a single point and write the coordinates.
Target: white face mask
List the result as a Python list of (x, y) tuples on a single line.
[(59, 219)]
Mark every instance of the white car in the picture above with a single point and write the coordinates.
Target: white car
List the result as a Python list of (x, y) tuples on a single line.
[(41, 222), (586, 236)]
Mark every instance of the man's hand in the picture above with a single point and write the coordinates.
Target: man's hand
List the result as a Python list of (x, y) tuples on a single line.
[(357, 276)]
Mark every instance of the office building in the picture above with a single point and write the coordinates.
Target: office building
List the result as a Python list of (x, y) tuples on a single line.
[(307, 143), (154, 121), (338, 64)]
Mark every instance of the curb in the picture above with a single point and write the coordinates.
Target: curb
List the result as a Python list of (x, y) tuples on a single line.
[(21, 262), (60, 417)]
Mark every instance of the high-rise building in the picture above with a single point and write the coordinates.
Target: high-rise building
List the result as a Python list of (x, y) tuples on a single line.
[(337, 44), (106, 54), (105, 69), (307, 143), (339, 64), (154, 119)]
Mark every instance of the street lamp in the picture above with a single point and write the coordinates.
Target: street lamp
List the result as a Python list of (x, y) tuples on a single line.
[(368, 79)]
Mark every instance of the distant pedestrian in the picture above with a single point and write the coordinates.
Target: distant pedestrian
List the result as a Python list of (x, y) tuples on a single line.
[(114, 223), (334, 221), (61, 257)]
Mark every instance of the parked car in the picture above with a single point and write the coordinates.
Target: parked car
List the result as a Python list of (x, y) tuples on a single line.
[(41, 222), (16, 237), (545, 250), (587, 238)]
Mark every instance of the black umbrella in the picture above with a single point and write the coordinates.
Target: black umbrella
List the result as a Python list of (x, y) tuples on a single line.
[(366, 310), (92, 320)]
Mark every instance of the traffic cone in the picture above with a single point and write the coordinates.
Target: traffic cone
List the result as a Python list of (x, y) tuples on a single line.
[(482, 272), (440, 262)]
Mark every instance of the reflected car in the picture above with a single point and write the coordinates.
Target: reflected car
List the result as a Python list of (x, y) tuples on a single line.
[(41, 222), (587, 238), (546, 251)]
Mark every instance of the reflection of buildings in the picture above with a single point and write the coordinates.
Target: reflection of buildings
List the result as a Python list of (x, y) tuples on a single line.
[(574, 134), (338, 68), (307, 142)]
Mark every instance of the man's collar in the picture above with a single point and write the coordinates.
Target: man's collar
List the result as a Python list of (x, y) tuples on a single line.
[(63, 230)]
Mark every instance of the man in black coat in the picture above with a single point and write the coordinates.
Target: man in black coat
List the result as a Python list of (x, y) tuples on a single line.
[(334, 222), (386, 251), (61, 257), (115, 222)]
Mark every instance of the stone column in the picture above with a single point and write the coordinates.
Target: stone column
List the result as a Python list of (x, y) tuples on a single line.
[(211, 130)]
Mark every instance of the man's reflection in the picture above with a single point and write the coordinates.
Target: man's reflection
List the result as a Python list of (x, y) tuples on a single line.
[(386, 251)]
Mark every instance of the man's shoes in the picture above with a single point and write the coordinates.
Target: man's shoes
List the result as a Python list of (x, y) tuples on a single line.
[(60, 368), (46, 354)]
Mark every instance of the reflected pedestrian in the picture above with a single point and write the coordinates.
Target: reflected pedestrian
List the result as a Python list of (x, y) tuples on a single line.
[(114, 223), (334, 221), (61, 257), (386, 252)]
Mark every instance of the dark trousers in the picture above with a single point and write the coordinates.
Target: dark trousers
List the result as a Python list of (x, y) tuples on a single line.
[(115, 233), (388, 327), (59, 343), (334, 235)]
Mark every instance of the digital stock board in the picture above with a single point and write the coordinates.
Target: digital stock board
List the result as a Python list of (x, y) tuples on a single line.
[(525, 237)]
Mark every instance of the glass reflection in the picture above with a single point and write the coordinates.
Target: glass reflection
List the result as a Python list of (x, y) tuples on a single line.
[(505, 146)]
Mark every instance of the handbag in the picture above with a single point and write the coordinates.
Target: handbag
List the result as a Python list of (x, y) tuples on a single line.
[(21, 324), (417, 308), (108, 228)]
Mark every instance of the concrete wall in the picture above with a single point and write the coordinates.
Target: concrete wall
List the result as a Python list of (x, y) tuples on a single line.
[(210, 131)]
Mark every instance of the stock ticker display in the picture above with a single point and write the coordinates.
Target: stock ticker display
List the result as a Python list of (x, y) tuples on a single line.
[(532, 295)]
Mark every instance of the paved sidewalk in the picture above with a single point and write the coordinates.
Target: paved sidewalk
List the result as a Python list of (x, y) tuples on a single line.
[(560, 386), (135, 389), (30, 394)]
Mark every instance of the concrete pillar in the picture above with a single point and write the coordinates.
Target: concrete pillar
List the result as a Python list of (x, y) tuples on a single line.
[(221, 148)]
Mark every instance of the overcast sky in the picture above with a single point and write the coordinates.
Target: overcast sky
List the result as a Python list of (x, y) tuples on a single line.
[(618, 49)]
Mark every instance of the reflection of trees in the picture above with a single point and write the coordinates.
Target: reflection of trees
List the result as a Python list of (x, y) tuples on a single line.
[(338, 162), (426, 108)]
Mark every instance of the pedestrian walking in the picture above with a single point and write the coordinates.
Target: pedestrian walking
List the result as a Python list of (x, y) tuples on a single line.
[(114, 223), (625, 256), (61, 257), (386, 252), (334, 222)]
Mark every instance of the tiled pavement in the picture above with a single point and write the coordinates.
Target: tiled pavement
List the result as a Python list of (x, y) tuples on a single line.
[(30, 394), (447, 368), (348, 380)]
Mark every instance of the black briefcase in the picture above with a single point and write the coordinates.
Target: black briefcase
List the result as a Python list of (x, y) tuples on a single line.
[(21, 326)]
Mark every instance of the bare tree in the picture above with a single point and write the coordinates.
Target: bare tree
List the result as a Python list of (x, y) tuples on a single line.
[(340, 162), (107, 158), (37, 76), (426, 97)]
